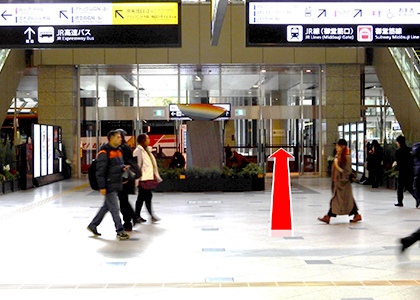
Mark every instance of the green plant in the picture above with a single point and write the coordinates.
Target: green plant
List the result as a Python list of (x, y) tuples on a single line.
[(10, 174), (171, 173), (252, 170), (392, 173), (197, 172)]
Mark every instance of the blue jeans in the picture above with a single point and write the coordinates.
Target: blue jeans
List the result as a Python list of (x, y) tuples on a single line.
[(111, 205)]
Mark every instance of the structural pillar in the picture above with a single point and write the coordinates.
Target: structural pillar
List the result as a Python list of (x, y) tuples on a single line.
[(342, 101), (58, 105)]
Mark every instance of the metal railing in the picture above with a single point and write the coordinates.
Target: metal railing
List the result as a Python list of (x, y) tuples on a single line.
[(408, 62), (4, 53)]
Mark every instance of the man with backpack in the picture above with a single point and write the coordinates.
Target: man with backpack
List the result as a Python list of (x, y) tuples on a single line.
[(109, 171)]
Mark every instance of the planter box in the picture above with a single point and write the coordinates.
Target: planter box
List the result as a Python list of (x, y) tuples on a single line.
[(212, 184), (16, 185), (391, 182), (7, 186)]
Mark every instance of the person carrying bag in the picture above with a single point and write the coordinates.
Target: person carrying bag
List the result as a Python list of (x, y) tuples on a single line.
[(149, 179)]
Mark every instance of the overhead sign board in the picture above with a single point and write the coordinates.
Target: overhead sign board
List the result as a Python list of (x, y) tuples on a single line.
[(332, 23), (70, 25)]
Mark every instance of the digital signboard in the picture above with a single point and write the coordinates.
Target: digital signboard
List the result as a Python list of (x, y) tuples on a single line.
[(332, 23), (73, 25)]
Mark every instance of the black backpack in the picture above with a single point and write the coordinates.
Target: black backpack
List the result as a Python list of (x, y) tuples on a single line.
[(92, 176), (93, 181)]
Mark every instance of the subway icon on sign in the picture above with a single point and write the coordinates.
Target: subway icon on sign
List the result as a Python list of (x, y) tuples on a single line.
[(365, 33)]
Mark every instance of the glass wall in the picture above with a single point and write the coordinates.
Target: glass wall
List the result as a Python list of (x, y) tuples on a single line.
[(381, 123), (268, 106)]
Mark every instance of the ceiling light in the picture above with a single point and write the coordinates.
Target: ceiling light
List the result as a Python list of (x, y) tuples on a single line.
[(263, 71), (255, 86), (308, 71)]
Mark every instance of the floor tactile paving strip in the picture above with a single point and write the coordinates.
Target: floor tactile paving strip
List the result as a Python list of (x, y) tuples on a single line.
[(170, 285)]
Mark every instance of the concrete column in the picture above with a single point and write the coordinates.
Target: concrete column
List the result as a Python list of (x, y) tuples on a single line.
[(57, 101), (343, 101)]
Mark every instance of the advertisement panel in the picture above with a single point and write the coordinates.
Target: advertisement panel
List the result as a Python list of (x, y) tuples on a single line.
[(50, 150), (332, 23), (44, 146), (36, 132)]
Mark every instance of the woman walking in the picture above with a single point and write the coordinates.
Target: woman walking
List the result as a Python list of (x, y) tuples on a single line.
[(149, 179), (342, 202)]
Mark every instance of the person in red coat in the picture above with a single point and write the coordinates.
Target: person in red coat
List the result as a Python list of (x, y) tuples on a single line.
[(234, 159)]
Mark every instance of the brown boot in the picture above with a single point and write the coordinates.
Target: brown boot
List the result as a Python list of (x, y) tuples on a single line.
[(356, 218), (325, 219)]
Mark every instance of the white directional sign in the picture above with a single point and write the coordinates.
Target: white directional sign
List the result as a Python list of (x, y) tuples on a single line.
[(47, 14), (334, 13), (339, 23), (135, 24)]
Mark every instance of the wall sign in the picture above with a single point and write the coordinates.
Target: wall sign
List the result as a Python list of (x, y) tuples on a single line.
[(349, 24), (72, 25)]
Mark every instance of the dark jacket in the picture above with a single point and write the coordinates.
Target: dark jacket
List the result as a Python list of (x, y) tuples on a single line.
[(404, 161), (376, 157), (127, 154), (128, 186), (416, 165), (415, 151), (109, 168)]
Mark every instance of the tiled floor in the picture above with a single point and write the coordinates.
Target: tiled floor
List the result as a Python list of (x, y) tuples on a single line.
[(207, 246)]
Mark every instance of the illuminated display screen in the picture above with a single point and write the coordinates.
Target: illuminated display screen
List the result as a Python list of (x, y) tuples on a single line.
[(50, 150), (322, 23), (37, 149), (69, 25), (46, 143)]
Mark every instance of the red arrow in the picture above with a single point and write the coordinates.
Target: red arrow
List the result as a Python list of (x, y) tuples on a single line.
[(281, 199)]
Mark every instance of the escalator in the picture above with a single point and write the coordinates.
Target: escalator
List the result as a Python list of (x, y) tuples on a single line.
[(398, 70), (12, 66)]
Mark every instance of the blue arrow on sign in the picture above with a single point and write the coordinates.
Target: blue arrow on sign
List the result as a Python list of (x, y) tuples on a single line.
[(359, 12), (323, 12), (4, 15), (62, 14)]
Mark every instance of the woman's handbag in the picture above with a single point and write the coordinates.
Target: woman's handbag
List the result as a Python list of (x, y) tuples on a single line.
[(149, 184), (353, 176)]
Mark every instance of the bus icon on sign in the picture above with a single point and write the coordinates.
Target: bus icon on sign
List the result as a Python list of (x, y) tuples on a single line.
[(46, 35), (295, 33), (365, 33)]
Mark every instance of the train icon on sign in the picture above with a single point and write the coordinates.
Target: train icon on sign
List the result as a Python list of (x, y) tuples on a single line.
[(46, 35), (295, 33)]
